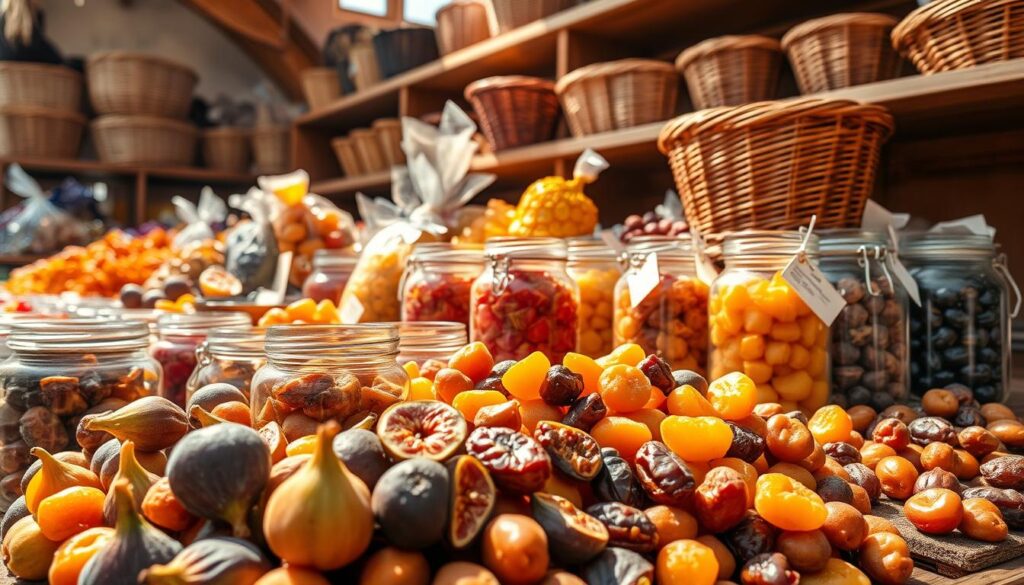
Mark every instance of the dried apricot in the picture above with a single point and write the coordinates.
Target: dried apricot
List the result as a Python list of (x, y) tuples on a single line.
[(844, 526), (687, 401), (70, 511), (75, 552), (624, 388), (588, 368), (628, 354), (836, 572), (982, 520), (733, 396), (830, 424), (897, 476), (473, 360), (726, 562), (687, 562), (788, 504), (672, 523), (470, 402), (623, 434), (524, 378), (449, 382), (788, 439), (886, 558), (697, 438), (934, 511), (535, 411)]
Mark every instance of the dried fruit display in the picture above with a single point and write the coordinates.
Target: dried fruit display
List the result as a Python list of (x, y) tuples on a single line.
[(302, 311), (437, 282)]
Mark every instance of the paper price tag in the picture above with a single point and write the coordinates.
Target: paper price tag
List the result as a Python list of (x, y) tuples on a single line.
[(814, 288), (906, 280), (642, 282), (351, 310), (877, 217)]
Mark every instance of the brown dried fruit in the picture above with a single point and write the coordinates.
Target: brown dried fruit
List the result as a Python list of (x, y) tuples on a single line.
[(40, 427)]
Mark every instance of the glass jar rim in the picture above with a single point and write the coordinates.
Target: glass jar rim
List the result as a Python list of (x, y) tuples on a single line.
[(447, 253), (768, 243), (947, 245), (325, 258), (368, 341), (199, 323), (90, 335), (533, 248), (848, 242), (239, 341), (416, 336), (667, 247), (591, 249)]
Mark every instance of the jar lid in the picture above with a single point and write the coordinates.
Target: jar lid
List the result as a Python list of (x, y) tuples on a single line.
[(594, 249), (8, 320), (365, 341), (447, 253), (417, 336), (945, 244), (247, 341), (78, 336), (768, 243), (337, 259), (526, 248), (839, 242), (200, 323), (667, 247)]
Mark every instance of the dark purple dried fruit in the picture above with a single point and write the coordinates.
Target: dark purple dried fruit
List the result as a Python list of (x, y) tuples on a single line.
[(616, 482), (865, 477), (843, 453), (40, 427), (835, 489), (751, 537), (574, 452), (658, 372), (768, 569), (969, 416), (931, 429), (561, 386), (628, 527), (690, 378), (937, 478), (1004, 472), (517, 463), (618, 566), (664, 475), (321, 396), (746, 444), (586, 412), (720, 501)]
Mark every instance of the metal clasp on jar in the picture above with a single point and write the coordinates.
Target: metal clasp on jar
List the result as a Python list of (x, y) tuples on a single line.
[(1000, 265), (864, 262), (500, 269), (203, 359)]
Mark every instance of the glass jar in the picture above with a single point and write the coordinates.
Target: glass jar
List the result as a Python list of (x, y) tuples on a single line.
[(868, 350), (596, 267), (179, 336), (316, 373), (437, 282), (420, 341), (331, 269), (672, 320), (961, 332), (230, 355), (524, 301), (760, 326)]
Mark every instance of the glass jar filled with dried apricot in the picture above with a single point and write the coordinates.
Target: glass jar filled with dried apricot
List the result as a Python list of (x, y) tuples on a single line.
[(760, 326), (596, 267), (525, 301), (437, 282), (316, 373), (330, 273), (179, 336), (230, 355), (961, 332), (672, 319), (869, 337), (420, 341)]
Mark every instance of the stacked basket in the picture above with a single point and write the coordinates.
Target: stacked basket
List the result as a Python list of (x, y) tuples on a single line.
[(370, 150), (40, 110), (142, 102)]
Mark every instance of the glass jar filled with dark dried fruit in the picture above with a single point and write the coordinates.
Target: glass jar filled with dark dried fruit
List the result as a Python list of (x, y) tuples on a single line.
[(868, 348), (420, 341), (61, 370), (437, 281), (316, 373), (330, 273), (179, 336), (961, 332), (230, 355)]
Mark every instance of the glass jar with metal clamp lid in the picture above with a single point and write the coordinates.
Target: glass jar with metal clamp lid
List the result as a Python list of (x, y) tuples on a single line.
[(229, 355), (437, 281), (596, 268)]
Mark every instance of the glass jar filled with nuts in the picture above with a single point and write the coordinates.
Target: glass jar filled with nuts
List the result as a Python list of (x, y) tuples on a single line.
[(596, 268), (961, 332), (330, 274), (229, 355), (869, 337), (316, 373), (437, 282), (760, 326), (672, 319)]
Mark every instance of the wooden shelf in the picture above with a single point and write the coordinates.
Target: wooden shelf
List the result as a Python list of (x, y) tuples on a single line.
[(95, 167)]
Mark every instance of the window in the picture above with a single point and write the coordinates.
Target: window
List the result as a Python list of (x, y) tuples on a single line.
[(372, 7), (421, 11)]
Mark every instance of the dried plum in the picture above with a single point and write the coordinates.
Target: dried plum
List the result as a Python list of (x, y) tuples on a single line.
[(574, 537), (586, 412), (616, 481), (561, 386), (746, 444)]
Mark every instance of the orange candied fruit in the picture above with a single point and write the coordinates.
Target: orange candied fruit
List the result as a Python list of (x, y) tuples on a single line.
[(622, 434), (326, 313), (651, 417), (624, 388), (236, 412), (274, 316), (469, 402), (161, 507), (75, 552), (788, 504), (449, 382), (421, 388), (586, 367), (473, 360), (687, 401), (70, 511), (523, 379), (301, 310), (830, 424), (836, 571), (696, 438), (627, 354), (733, 396), (301, 446), (687, 562), (412, 369)]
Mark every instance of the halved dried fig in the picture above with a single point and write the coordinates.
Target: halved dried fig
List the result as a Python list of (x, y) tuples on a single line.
[(422, 428), (574, 537), (472, 500), (573, 452), (517, 463)]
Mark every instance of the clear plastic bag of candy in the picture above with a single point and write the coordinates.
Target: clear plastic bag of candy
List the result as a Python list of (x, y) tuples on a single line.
[(198, 219), (251, 245), (38, 226)]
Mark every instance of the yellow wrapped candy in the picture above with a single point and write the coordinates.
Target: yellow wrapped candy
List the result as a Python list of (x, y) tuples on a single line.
[(556, 207)]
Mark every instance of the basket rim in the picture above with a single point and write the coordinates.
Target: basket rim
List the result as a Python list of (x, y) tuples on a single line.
[(725, 43), (610, 69), (509, 82), (134, 56), (40, 111), (938, 11), (730, 119), (226, 131), (119, 121), (810, 27), (48, 67), (385, 122)]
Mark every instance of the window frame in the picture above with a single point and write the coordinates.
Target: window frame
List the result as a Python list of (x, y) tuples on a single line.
[(392, 17)]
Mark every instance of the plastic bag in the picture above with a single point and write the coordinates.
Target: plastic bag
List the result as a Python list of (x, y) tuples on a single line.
[(533, 218), (198, 218), (425, 201), (38, 226), (252, 249)]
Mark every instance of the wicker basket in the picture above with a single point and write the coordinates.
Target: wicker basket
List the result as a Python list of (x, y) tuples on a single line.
[(321, 86), (46, 86), (364, 67), (227, 149), (945, 35), (461, 24), (389, 137), (511, 14), (368, 150), (39, 132), (842, 50), (771, 165), (144, 140), (401, 49), (619, 94), (134, 84), (514, 110), (731, 70), (345, 150), (271, 149)]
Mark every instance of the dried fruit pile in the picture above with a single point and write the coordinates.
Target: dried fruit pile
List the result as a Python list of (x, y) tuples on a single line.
[(608, 471)]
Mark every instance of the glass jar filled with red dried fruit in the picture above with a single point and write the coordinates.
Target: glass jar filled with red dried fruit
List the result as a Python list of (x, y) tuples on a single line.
[(671, 319), (61, 370), (229, 355), (316, 373), (596, 267), (331, 270), (430, 340), (179, 336), (525, 301), (437, 282)]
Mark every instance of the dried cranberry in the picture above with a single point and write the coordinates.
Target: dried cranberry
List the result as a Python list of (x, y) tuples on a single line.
[(658, 372), (561, 386), (586, 412)]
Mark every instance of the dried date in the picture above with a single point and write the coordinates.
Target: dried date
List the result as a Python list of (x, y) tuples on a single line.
[(931, 429), (746, 444), (768, 569), (616, 481), (517, 463), (752, 536), (585, 412), (1004, 472), (628, 527), (664, 475), (865, 477), (721, 499), (843, 453)]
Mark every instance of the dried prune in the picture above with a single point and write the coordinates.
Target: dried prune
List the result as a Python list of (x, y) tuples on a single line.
[(865, 477), (721, 499), (574, 537), (746, 444), (931, 429), (586, 412), (1004, 472), (40, 427), (843, 453), (768, 569), (664, 475), (937, 478), (421, 428), (561, 386), (517, 463), (891, 432), (658, 373), (835, 489), (1010, 503), (618, 566), (752, 536), (969, 416), (628, 527), (573, 452), (616, 481)]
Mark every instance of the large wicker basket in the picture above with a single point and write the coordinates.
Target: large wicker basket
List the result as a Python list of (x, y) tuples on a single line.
[(842, 50), (618, 94), (345, 150), (511, 14), (389, 136), (134, 84), (46, 86), (320, 86), (271, 149), (144, 140), (227, 149), (731, 70), (460, 24), (514, 110), (368, 150), (39, 132), (945, 35), (771, 165)]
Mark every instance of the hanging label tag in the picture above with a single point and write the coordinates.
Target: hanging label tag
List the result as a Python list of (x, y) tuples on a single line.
[(814, 288), (972, 224), (877, 218), (351, 310), (642, 282), (706, 270), (906, 280)]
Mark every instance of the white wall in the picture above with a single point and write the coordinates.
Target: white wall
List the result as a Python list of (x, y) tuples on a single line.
[(161, 27)]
